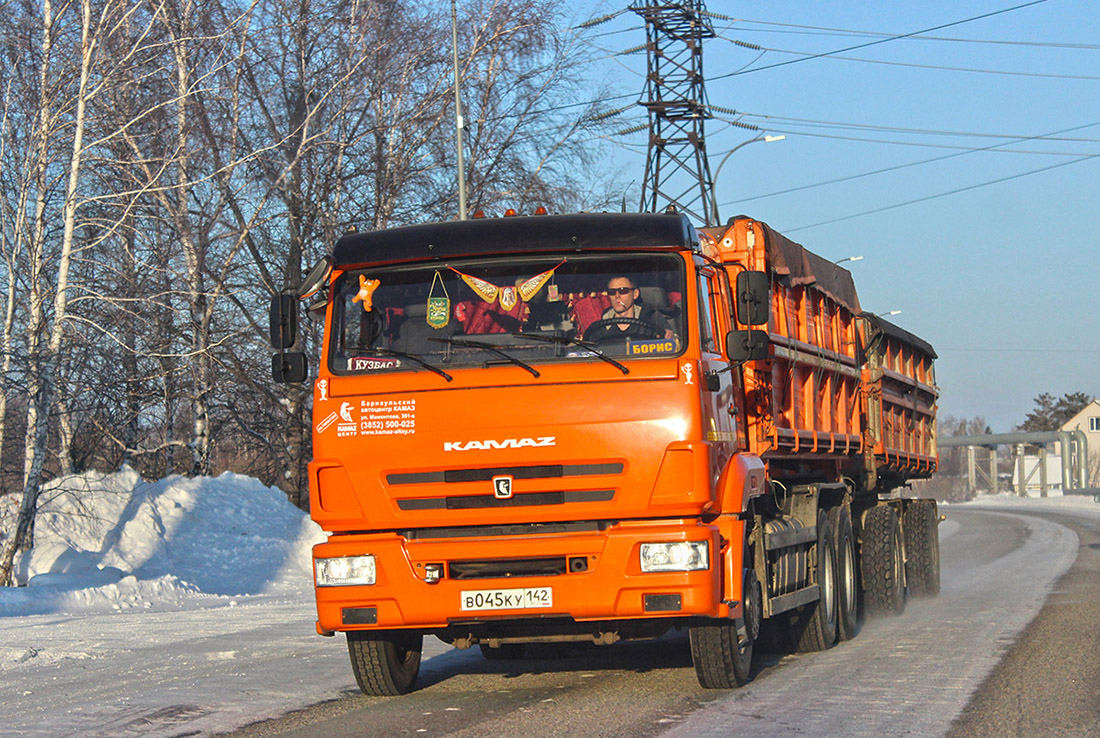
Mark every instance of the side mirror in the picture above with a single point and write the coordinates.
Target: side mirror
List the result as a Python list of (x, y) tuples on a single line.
[(289, 368), (316, 278), (742, 346), (284, 321), (753, 306)]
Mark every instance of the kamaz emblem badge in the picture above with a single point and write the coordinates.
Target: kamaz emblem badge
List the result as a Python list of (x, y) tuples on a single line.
[(502, 487)]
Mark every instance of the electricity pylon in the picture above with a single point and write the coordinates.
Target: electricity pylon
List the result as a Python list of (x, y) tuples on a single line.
[(677, 172)]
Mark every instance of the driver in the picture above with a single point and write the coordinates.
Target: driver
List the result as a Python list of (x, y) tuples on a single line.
[(624, 304)]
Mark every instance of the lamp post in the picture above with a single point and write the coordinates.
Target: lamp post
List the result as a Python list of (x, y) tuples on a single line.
[(848, 258), (761, 137), (459, 123)]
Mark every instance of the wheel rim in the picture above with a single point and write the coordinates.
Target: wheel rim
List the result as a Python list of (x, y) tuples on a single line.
[(828, 587), (847, 574), (899, 564)]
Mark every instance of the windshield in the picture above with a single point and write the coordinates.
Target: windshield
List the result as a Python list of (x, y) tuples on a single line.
[(518, 311)]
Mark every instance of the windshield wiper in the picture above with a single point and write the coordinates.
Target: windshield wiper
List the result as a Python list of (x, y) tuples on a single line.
[(488, 347), (586, 345), (402, 355)]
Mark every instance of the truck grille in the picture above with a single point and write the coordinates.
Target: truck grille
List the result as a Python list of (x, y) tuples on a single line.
[(504, 568), (473, 502), (544, 471)]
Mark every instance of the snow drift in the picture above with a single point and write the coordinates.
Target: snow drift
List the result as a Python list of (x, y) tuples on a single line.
[(115, 541)]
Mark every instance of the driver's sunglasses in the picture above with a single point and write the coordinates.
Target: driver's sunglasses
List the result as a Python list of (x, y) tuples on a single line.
[(619, 290)]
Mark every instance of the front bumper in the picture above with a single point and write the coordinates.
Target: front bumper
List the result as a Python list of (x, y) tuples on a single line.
[(609, 584)]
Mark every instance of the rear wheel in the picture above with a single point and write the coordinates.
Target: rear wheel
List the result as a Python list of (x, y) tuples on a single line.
[(847, 585), (922, 548), (818, 623), (385, 662), (721, 654), (881, 562)]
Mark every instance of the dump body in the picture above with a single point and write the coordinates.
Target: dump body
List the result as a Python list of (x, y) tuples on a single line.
[(899, 396), (841, 388)]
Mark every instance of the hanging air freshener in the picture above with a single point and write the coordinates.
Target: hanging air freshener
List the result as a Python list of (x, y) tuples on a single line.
[(439, 308)]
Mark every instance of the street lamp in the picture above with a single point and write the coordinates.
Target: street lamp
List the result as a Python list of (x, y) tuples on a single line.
[(892, 312), (848, 258), (459, 123), (714, 178)]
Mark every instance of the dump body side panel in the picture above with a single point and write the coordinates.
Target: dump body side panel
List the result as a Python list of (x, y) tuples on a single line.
[(842, 393), (900, 401)]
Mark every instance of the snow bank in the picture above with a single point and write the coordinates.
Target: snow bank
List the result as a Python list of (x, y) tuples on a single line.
[(115, 541), (1054, 503)]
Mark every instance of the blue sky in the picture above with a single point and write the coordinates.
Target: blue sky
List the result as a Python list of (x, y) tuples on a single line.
[(1002, 276)]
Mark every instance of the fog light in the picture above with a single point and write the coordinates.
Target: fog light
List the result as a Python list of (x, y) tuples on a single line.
[(678, 556), (345, 571), (433, 573)]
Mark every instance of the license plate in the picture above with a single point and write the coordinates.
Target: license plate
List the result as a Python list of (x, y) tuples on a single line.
[(523, 598)]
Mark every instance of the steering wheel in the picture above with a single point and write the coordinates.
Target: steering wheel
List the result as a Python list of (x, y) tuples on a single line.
[(606, 323)]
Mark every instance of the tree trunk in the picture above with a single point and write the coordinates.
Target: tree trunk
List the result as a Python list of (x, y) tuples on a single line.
[(42, 402), (24, 526)]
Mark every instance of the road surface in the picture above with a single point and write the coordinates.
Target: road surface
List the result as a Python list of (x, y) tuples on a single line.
[(974, 661)]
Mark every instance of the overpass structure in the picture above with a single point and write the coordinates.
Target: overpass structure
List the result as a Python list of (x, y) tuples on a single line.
[(1075, 460)]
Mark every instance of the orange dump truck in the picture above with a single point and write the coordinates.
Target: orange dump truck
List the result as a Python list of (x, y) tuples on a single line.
[(598, 427)]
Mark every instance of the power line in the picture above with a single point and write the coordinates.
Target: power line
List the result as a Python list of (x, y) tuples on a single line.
[(919, 144), (897, 167), (913, 65), (914, 144), (881, 40), (878, 34), (1055, 136), (942, 194), (1019, 350)]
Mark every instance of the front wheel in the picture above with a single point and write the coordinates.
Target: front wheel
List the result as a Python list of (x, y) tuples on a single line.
[(722, 652), (385, 663)]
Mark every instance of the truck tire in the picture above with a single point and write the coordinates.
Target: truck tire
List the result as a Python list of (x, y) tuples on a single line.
[(881, 563), (503, 652), (385, 662), (720, 661), (847, 581), (920, 525), (817, 623)]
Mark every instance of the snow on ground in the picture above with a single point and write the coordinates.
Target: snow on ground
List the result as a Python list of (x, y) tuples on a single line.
[(114, 542), (181, 606), (157, 605), (1055, 503)]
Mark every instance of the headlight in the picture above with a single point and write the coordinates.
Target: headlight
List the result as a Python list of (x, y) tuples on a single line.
[(680, 556), (345, 571)]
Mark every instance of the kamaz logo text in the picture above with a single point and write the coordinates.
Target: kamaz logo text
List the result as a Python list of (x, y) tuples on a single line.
[(506, 443)]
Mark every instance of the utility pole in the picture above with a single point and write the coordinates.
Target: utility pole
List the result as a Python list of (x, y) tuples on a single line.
[(458, 115), (677, 172)]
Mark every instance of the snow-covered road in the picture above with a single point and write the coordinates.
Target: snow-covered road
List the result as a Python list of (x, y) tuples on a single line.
[(913, 674), (176, 638)]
